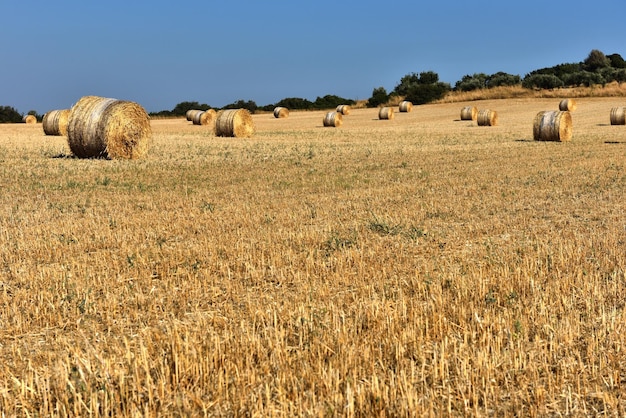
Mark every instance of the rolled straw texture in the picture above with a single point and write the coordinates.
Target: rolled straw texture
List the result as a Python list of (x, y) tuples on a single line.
[(487, 118), (110, 128), (552, 125), (385, 113), (334, 119), (567, 105), (343, 109), (469, 113), (234, 123), (281, 112), (29, 119), (405, 106), (618, 116), (206, 117), (55, 122), (191, 113)]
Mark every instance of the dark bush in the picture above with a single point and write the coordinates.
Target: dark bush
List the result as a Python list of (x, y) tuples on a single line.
[(503, 79), (9, 115), (379, 97), (472, 82), (542, 81)]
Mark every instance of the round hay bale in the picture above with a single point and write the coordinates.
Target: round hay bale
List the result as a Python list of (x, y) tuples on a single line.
[(552, 125), (385, 113), (487, 118), (405, 106), (29, 119), (567, 105), (110, 128), (334, 119), (618, 116), (234, 123), (281, 112), (469, 113), (206, 117), (55, 122), (191, 113), (343, 109)]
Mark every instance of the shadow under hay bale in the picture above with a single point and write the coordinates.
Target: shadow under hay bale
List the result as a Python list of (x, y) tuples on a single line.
[(204, 118), (55, 122), (405, 106), (29, 119), (110, 128), (385, 113), (487, 118), (281, 112), (552, 125), (333, 119), (343, 109), (469, 113), (618, 116), (567, 105), (234, 123)]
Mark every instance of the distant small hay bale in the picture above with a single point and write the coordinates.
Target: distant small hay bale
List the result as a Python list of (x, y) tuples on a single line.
[(487, 118), (469, 113), (405, 106), (55, 122), (234, 123), (281, 112), (618, 116), (552, 125), (385, 113), (343, 109), (29, 119), (206, 117), (334, 119), (191, 113), (568, 105), (111, 128)]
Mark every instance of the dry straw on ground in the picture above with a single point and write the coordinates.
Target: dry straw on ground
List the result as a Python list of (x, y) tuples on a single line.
[(111, 128), (29, 119), (343, 109), (205, 118), (487, 117), (618, 116), (281, 112), (469, 113), (55, 122), (552, 125), (568, 105), (234, 123), (405, 106), (333, 119), (385, 113)]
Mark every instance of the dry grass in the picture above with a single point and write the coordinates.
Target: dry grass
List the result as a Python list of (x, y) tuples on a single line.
[(422, 267)]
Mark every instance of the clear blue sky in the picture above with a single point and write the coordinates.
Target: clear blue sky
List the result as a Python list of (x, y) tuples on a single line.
[(160, 53)]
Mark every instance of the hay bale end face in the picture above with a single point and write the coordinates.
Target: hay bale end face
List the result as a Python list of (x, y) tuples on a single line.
[(333, 119), (191, 113), (554, 125), (29, 119), (487, 118), (618, 116), (55, 122), (109, 128), (405, 106), (567, 105), (385, 113), (281, 112), (234, 123), (343, 109), (469, 113), (204, 117)]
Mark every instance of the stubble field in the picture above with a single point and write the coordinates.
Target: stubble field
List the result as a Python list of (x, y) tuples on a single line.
[(421, 266)]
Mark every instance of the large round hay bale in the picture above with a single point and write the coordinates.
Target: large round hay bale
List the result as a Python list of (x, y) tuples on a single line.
[(334, 119), (281, 112), (405, 106), (343, 109), (618, 116), (234, 123), (206, 117), (29, 119), (469, 113), (552, 125), (55, 122), (567, 105), (110, 128), (385, 113), (191, 113), (487, 118)]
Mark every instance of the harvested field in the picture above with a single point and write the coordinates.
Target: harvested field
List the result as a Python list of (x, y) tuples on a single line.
[(422, 267)]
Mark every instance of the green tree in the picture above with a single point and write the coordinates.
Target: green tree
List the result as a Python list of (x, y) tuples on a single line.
[(502, 79), (9, 115), (330, 101), (617, 61), (596, 60), (250, 105), (295, 103), (379, 96), (181, 108), (542, 81), (422, 88), (472, 82)]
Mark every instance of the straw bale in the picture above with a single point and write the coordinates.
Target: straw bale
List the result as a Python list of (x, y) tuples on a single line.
[(487, 118), (405, 106), (343, 109), (281, 112), (29, 119), (568, 105), (191, 113), (618, 116), (333, 119), (385, 113), (234, 123), (55, 122), (206, 117), (552, 125), (469, 113)]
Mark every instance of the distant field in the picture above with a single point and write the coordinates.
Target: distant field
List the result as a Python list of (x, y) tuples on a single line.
[(408, 267)]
